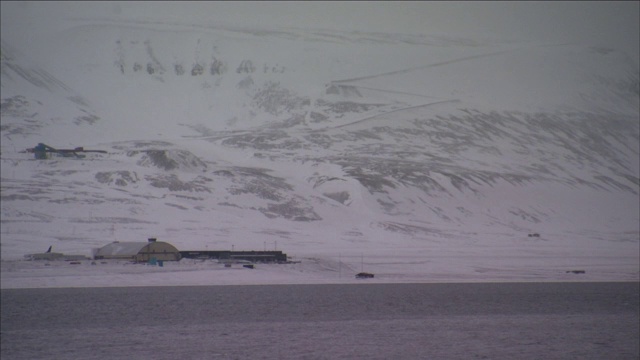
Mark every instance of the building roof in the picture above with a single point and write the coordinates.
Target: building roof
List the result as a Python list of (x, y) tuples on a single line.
[(121, 248), (130, 248)]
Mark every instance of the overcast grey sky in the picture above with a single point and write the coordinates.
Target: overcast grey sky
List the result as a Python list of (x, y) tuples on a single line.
[(608, 23)]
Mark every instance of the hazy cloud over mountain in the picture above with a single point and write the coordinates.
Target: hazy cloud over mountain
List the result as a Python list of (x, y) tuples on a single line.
[(614, 23)]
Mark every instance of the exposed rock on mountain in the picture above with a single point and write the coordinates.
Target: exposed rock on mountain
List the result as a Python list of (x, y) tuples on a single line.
[(205, 137)]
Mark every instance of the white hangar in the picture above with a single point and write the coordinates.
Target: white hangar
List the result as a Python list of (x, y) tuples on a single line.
[(138, 251)]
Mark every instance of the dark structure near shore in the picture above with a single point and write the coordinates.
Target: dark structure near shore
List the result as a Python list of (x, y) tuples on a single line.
[(253, 256), (159, 250)]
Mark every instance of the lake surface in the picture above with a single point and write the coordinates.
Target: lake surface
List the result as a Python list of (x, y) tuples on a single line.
[(364, 321)]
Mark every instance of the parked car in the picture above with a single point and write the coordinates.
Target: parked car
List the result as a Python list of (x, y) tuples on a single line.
[(364, 275)]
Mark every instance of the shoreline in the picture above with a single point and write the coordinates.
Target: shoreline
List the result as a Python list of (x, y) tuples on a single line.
[(22, 274)]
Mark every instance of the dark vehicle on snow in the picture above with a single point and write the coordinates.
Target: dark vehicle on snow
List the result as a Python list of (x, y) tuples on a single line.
[(364, 275)]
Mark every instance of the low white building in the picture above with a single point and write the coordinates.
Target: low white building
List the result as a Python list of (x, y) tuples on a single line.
[(138, 251)]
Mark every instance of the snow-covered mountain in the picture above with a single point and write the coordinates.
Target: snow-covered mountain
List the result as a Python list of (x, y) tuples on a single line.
[(319, 142)]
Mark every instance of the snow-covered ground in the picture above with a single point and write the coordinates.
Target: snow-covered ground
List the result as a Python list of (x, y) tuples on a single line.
[(323, 270), (499, 259), (420, 156)]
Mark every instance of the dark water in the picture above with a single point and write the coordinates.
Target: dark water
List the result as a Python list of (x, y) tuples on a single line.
[(365, 321)]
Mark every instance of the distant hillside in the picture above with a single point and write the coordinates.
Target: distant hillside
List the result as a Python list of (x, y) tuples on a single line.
[(318, 141)]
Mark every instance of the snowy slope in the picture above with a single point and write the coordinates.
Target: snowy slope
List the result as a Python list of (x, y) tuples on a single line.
[(319, 143)]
